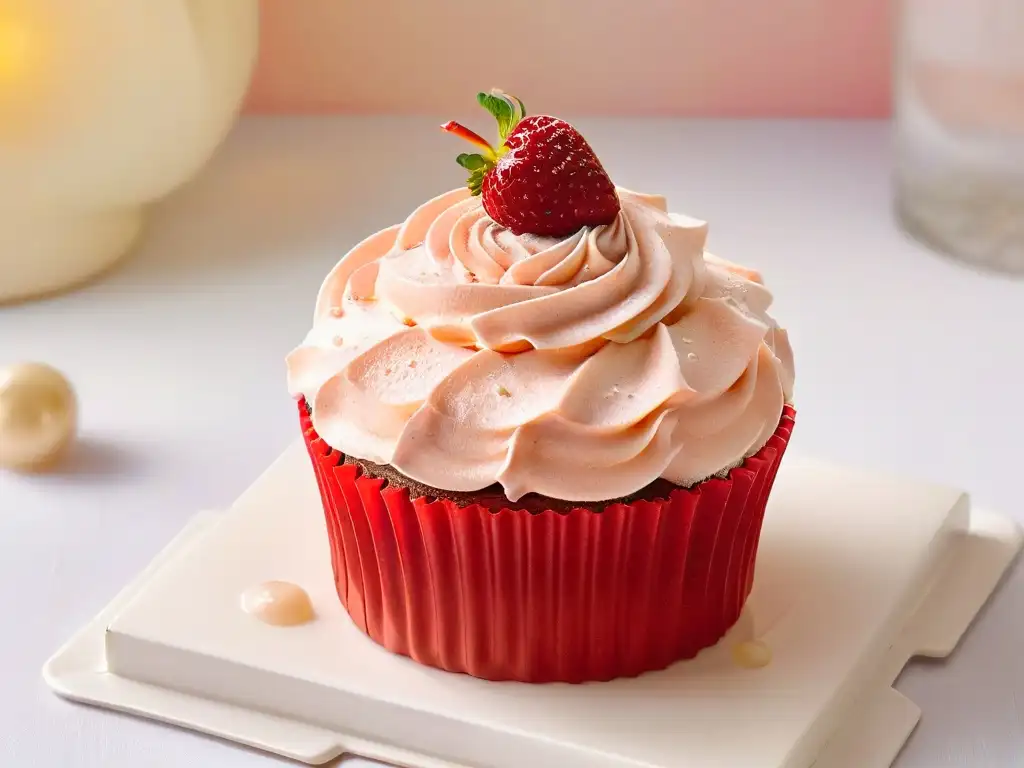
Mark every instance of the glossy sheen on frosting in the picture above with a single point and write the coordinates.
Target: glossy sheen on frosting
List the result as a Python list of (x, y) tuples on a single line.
[(582, 369)]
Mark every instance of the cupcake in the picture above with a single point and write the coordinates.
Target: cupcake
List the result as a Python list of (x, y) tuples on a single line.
[(544, 421)]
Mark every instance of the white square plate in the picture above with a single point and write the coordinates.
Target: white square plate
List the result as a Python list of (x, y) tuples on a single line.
[(857, 573)]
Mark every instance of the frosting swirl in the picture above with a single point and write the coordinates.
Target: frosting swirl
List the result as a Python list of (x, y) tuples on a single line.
[(581, 368)]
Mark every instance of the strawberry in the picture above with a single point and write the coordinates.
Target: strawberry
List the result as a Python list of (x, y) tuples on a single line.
[(543, 179)]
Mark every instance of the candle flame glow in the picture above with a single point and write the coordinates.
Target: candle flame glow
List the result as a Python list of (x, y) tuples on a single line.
[(16, 50), (27, 37)]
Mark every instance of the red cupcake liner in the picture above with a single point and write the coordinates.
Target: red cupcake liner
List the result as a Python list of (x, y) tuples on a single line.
[(545, 597)]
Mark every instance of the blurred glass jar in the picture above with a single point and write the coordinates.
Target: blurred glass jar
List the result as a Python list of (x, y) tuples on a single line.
[(959, 116)]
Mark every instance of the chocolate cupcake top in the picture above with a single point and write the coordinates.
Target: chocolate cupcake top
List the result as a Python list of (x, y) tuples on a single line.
[(581, 367)]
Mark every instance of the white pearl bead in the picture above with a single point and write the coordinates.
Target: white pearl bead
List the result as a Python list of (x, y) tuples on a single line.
[(38, 416)]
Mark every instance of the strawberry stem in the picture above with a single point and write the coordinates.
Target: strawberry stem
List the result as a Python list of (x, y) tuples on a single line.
[(472, 137), (508, 111)]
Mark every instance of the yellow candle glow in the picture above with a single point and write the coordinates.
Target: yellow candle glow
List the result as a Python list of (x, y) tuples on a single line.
[(22, 34), (23, 41), (15, 50)]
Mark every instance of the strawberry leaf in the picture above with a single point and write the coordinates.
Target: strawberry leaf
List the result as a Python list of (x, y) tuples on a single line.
[(503, 109), (478, 166), (471, 162), (522, 109), (476, 180)]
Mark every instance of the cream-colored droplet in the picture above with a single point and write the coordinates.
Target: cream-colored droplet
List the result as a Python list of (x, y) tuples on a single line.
[(279, 603), (336, 312), (752, 654), (338, 341), (691, 356), (38, 416)]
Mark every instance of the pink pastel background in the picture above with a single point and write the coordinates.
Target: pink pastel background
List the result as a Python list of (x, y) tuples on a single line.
[(685, 57)]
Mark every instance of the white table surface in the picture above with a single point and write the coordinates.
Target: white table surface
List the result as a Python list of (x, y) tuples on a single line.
[(904, 360)]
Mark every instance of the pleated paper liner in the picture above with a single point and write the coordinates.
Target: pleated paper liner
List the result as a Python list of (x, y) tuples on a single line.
[(542, 597)]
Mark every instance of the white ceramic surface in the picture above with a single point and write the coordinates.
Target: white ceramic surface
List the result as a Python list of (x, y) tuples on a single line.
[(857, 572), (104, 108), (906, 362)]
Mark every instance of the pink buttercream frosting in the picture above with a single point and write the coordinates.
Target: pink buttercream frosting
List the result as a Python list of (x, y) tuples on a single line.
[(581, 368)]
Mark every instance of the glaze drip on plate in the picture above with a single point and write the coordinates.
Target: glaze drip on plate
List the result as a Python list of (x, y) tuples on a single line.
[(278, 603), (752, 654)]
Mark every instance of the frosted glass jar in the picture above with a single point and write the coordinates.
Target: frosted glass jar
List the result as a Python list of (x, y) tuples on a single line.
[(959, 135)]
